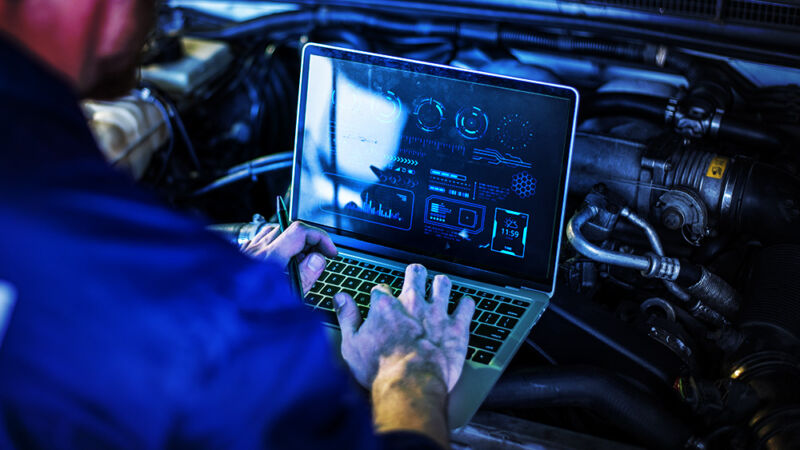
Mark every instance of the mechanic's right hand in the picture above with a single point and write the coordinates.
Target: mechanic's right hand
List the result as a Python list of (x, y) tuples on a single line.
[(406, 330)]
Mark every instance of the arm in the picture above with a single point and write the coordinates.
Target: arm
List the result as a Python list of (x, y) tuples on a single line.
[(408, 352)]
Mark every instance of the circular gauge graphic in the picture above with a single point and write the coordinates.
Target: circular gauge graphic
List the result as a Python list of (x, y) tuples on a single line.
[(429, 114), (387, 107), (514, 132), (471, 122)]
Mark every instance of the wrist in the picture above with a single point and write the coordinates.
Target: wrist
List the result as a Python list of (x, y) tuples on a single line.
[(408, 393)]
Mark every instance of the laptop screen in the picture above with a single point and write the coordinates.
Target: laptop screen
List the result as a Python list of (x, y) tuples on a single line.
[(450, 164)]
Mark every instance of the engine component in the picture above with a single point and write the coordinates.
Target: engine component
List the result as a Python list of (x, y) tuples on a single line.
[(716, 300), (651, 265), (768, 359), (129, 130), (683, 209), (605, 393), (201, 62), (737, 193), (239, 233)]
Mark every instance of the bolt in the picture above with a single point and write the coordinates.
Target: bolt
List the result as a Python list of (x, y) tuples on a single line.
[(672, 219)]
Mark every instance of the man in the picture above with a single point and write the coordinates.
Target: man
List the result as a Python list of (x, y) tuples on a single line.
[(133, 328)]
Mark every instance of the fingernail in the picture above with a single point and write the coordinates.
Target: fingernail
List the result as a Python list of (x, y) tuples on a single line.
[(316, 262)]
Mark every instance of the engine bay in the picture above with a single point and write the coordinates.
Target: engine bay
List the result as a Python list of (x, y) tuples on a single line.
[(676, 318)]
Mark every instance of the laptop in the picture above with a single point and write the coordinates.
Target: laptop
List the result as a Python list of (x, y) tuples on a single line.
[(464, 172)]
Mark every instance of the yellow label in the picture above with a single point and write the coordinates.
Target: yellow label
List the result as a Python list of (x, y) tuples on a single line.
[(717, 167)]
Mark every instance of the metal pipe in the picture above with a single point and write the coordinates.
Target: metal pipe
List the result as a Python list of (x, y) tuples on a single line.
[(655, 243), (595, 253)]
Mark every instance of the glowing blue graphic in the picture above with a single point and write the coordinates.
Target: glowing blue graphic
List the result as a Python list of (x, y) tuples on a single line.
[(494, 158), (387, 107), (416, 146), (471, 122), (523, 184), (372, 208), (454, 214), (510, 232), (380, 204), (514, 132), (443, 174), (429, 114)]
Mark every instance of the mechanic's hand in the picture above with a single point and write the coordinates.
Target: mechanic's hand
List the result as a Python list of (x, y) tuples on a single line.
[(309, 244), (406, 329)]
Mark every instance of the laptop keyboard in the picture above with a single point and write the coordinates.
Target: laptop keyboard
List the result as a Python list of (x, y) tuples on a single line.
[(495, 315)]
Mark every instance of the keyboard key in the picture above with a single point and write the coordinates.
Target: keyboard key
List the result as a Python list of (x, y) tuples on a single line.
[(482, 357), (329, 290), (336, 267), (351, 271), (338, 258), (326, 303), (489, 318), (334, 278), (470, 352), (487, 305), (349, 261), (521, 303), (317, 286), (313, 299), (507, 322), (476, 314), (492, 332), (363, 299), (483, 294), (365, 287), (383, 269), (484, 343), (397, 283), (367, 275), (351, 283), (366, 265), (384, 278), (469, 291), (363, 310), (397, 273), (472, 326), (350, 292), (502, 299), (510, 310)]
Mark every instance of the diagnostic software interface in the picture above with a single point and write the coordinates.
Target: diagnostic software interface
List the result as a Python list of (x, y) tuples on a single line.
[(417, 160)]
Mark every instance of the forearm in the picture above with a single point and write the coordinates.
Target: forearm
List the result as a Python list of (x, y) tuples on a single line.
[(407, 396)]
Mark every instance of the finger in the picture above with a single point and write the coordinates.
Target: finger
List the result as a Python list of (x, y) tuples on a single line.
[(297, 237), (346, 314), (311, 267), (266, 235), (414, 283), (413, 293), (440, 292), (264, 231), (463, 313)]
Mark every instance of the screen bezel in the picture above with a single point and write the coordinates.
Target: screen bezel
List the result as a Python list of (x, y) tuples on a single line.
[(347, 239)]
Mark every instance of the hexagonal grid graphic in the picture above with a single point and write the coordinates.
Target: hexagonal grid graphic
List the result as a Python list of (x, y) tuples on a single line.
[(523, 184)]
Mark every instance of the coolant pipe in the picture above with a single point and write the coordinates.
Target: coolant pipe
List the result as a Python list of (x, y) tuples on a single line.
[(605, 393), (643, 264)]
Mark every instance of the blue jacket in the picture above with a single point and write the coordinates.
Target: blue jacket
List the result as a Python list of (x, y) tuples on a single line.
[(134, 328)]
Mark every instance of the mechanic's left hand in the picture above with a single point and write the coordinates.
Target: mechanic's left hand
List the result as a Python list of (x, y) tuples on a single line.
[(309, 244)]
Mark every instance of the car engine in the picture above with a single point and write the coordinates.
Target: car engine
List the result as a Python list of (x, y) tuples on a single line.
[(676, 321)]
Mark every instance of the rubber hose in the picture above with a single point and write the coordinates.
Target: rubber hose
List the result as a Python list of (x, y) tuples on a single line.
[(605, 393), (653, 108)]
